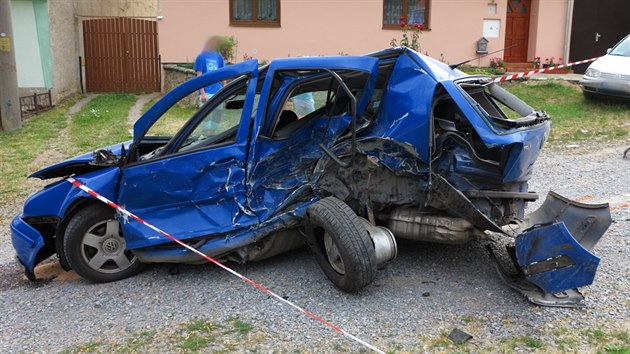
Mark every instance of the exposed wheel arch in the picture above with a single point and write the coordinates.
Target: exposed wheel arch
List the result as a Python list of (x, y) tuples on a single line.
[(60, 233)]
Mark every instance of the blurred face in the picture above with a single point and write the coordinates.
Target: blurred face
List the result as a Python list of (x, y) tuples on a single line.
[(212, 43)]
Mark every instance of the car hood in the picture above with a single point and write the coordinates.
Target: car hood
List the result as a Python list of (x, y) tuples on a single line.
[(76, 165), (612, 64)]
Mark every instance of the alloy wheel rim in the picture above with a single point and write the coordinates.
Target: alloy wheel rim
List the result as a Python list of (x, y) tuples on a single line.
[(104, 249)]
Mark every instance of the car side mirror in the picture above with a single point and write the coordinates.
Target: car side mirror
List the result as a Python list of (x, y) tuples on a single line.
[(608, 50), (235, 104)]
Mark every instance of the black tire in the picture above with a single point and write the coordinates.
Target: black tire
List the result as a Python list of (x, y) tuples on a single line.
[(588, 96), (104, 240), (333, 217)]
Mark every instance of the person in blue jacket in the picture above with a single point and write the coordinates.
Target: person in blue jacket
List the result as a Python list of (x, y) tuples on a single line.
[(209, 60)]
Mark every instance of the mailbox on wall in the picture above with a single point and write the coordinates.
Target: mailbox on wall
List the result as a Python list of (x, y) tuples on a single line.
[(482, 46)]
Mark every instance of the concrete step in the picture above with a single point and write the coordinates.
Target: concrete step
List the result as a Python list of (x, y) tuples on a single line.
[(519, 67)]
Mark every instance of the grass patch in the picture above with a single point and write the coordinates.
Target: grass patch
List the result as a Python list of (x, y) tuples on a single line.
[(617, 349), (19, 148), (574, 117), (195, 342), (532, 342), (234, 335), (202, 326), (241, 327), (102, 122)]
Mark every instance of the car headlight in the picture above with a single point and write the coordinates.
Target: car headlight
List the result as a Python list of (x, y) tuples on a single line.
[(592, 73)]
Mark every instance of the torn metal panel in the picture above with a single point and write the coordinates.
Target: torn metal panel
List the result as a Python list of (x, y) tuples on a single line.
[(517, 281), (221, 245), (400, 119), (447, 196), (587, 223), (199, 195)]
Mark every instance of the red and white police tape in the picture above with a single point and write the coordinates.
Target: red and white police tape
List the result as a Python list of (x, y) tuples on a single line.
[(125, 212), (532, 72)]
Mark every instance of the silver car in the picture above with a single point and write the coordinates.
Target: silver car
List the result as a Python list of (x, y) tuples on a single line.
[(609, 75)]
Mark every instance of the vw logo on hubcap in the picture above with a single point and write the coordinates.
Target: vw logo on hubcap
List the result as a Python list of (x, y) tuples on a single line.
[(111, 245)]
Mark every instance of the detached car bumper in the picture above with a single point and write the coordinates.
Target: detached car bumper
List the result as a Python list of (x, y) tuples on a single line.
[(553, 251), (606, 87), (27, 242)]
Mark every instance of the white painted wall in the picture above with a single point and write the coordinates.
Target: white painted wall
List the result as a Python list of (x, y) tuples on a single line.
[(27, 56)]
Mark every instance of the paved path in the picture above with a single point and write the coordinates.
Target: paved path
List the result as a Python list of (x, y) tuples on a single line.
[(136, 110), (57, 146)]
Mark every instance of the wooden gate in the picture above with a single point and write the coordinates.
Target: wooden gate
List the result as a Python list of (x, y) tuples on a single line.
[(121, 54), (517, 30)]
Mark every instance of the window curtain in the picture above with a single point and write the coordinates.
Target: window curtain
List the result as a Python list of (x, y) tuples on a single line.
[(416, 11), (242, 9), (267, 10), (393, 9)]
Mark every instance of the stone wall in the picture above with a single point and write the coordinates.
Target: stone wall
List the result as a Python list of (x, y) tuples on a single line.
[(114, 8), (174, 76), (64, 48)]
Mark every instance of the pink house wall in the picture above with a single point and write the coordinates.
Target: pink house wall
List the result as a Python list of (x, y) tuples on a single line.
[(547, 29), (328, 27)]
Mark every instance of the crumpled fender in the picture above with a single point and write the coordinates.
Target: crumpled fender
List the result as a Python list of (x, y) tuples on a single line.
[(55, 199), (76, 165)]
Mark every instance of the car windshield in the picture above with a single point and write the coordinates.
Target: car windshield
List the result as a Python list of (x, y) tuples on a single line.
[(622, 49)]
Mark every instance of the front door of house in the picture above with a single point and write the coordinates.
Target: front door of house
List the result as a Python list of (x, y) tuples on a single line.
[(517, 30)]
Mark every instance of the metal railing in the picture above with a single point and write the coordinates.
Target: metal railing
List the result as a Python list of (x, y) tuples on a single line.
[(35, 103)]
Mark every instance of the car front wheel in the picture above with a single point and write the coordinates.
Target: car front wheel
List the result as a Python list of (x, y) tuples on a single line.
[(95, 247)]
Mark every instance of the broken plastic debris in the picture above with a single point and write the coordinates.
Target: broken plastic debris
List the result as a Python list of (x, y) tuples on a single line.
[(458, 336)]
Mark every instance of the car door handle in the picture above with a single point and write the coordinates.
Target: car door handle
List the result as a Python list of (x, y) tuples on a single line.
[(597, 35)]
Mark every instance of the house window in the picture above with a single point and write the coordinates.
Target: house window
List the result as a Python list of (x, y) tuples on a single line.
[(412, 11), (255, 13)]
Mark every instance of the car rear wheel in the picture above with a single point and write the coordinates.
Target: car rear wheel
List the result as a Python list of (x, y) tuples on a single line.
[(342, 245), (95, 247)]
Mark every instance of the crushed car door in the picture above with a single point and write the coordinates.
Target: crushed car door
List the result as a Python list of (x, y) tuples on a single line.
[(307, 106), (194, 185)]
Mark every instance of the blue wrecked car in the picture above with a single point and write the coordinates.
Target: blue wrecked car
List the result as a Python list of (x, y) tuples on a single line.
[(345, 154)]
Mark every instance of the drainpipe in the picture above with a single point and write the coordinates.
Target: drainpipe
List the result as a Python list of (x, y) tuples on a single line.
[(567, 29)]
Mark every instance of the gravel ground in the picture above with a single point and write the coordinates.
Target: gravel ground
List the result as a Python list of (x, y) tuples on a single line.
[(427, 291)]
